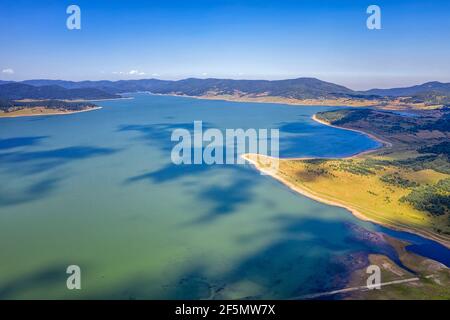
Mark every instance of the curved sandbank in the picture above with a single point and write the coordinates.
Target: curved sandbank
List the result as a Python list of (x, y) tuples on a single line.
[(312, 195)]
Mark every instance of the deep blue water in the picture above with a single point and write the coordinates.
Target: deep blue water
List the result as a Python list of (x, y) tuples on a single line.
[(422, 246)]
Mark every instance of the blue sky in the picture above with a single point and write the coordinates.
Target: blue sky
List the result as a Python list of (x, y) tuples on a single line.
[(251, 39)]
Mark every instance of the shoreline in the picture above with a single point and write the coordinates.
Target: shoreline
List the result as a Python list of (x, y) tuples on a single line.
[(384, 143), (99, 100), (299, 102), (4, 115), (336, 203), (275, 100), (354, 212)]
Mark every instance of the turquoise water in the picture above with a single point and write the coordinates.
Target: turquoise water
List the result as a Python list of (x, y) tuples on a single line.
[(97, 189)]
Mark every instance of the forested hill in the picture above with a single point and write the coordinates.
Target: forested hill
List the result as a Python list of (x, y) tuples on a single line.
[(300, 88), (435, 86), (18, 91)]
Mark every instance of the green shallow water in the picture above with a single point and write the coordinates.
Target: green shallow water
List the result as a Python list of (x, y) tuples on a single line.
[(98, 190)]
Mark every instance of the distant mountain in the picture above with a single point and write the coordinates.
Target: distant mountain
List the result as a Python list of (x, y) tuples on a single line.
[(429, 93), (120, 86), (435, 86), (17, 91), (45, 82), (301, 88)]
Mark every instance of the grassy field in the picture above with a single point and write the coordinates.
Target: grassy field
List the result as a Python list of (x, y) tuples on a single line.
[(405, 185), (377, 192)]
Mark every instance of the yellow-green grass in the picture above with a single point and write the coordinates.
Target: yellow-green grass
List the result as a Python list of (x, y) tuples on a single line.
[(366, 195)]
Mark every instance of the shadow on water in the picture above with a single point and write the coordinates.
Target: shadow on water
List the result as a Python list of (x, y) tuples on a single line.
[(21, 164), (65, 154), (12, 143), (301, 256), (34, 162), (54, 276), (226, 199), (169, 173), (159, 134), (32, 192), (280, 267), (286, 267)]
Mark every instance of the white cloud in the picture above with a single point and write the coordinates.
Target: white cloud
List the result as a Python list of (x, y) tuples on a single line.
[(8, 71), (130, 73), (204, 74), (155, 74)]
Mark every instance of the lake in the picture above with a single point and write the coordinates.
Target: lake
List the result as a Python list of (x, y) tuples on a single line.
[(98, 190)]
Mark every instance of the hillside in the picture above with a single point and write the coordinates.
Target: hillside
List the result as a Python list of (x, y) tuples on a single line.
[(434, 86), (18, 91), (430, 93), (301, 88), (296, 91)]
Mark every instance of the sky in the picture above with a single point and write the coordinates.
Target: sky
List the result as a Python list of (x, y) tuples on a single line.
[(246, 39)]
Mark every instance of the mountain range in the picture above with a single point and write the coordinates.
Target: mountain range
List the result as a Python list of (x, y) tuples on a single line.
[(300, 88), (18, 91)]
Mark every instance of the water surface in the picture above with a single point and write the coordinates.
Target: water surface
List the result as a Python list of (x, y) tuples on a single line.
[(98, 189)]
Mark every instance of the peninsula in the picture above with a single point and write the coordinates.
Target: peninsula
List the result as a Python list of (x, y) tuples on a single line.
[(404, 185)]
